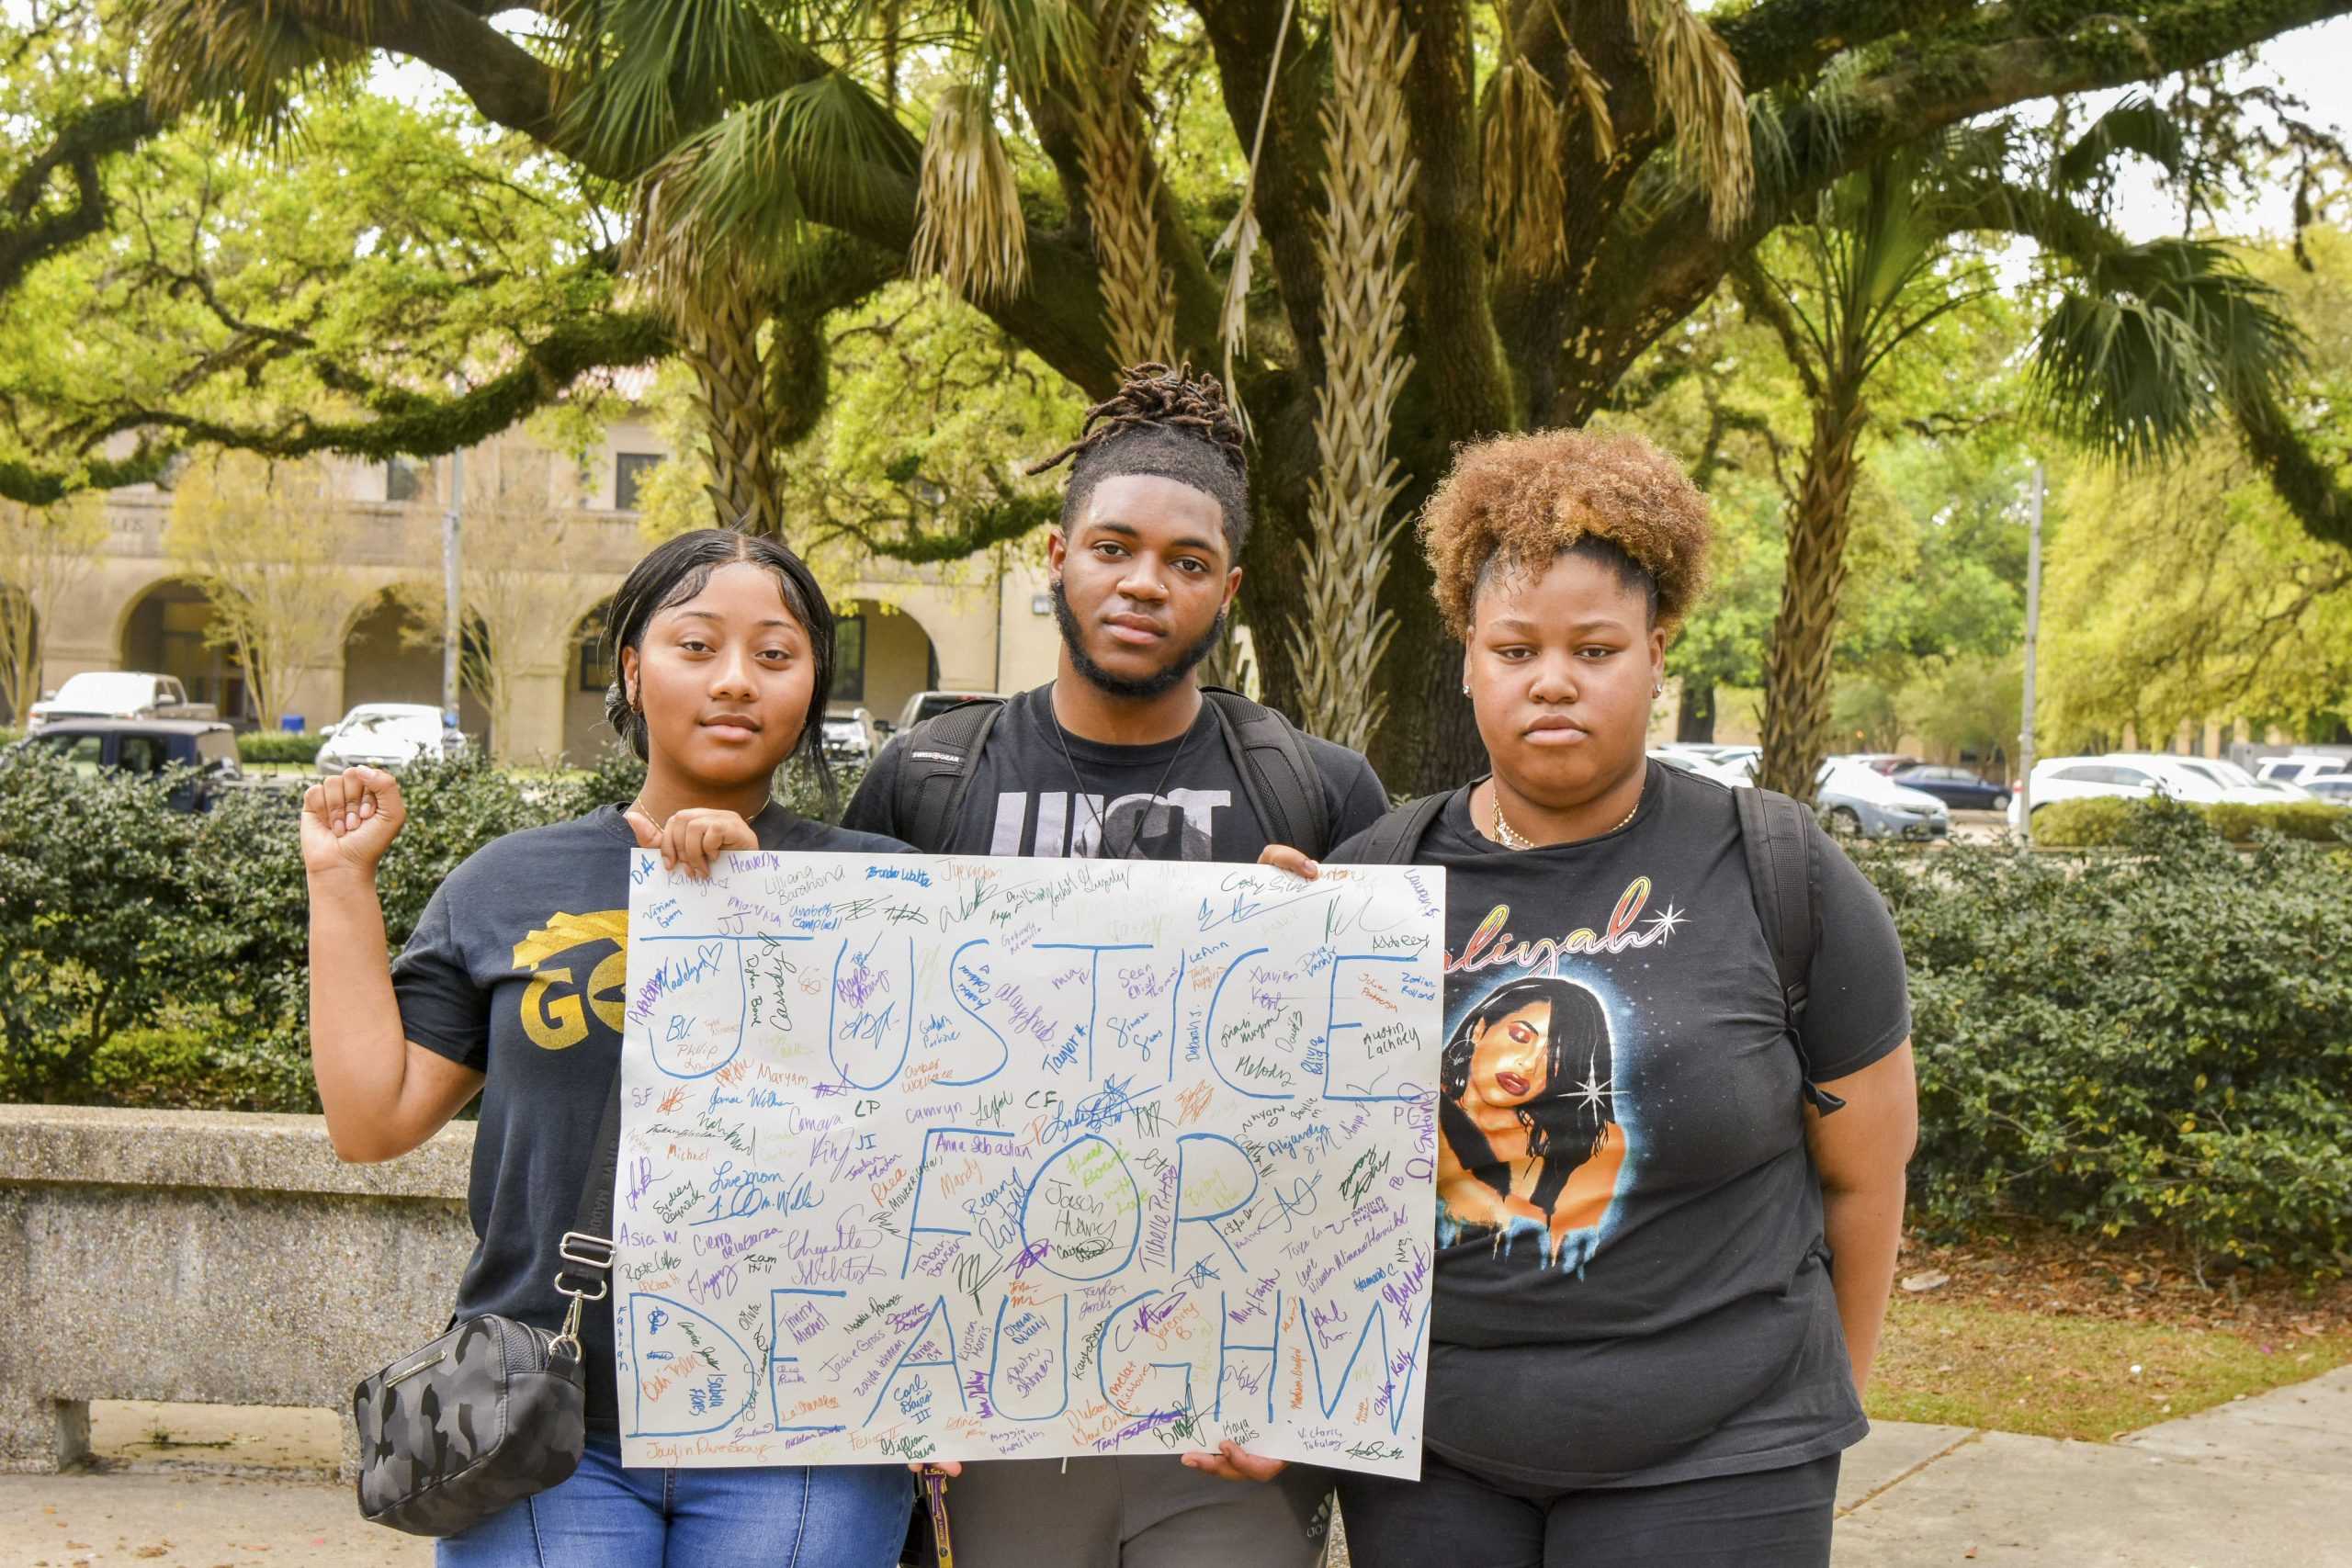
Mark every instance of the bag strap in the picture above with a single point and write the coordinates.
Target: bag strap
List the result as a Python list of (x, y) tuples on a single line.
[(1396, 838), (936, 761), (587, 1246), (1281, 780), (1776, 834)]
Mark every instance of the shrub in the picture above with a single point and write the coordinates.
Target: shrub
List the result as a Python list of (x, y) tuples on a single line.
[(2162, 1037), (277, 746), (2107, 822)]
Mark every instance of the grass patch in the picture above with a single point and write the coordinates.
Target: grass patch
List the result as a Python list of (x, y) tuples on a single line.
[(2010, 1371)]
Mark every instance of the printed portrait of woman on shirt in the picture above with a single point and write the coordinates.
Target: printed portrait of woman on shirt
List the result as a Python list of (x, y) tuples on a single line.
[(1530, 1138)]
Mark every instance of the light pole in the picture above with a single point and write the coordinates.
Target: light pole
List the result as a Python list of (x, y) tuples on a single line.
[(452, 600), (2032, 635)]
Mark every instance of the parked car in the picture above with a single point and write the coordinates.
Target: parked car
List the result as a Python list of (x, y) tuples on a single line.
[(387, 735), (116, 693), (1955, 787), (149, 746), (1854, 799), (2334, 788), (851, 737), (1887, 762), (2132, 775), (929, 705), (2302, 767), (2230, 776)]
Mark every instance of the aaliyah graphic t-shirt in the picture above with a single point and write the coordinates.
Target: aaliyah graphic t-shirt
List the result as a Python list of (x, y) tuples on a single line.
[(1631, 1285), (518, 969)]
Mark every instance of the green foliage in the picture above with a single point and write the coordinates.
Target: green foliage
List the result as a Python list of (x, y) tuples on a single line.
[(2110, 823), (154, 957), (277, 746), (2159, 1039)]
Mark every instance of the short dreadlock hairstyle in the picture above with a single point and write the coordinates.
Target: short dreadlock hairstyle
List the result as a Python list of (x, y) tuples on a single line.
[(1514, 503), (1165, 423)]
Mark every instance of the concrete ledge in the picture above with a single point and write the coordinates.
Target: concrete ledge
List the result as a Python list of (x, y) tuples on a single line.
[(209, 1258), (236, 1150)]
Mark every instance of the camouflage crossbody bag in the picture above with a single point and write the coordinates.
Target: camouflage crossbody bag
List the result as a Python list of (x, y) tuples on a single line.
[(494, 1409)]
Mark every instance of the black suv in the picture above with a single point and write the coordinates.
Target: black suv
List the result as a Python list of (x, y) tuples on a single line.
[(149, 746)]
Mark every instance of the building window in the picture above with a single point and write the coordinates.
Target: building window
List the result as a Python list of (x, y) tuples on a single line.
[(403, 481), (849, 659), (590, 654), (629, 469)]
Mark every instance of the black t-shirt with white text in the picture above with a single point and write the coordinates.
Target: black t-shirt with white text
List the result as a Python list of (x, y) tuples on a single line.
[(1181, 800), (518, 969), (1632, 1283)]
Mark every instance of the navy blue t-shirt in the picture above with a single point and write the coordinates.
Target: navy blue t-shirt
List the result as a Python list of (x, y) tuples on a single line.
[(518, 969), (1632, 1283)]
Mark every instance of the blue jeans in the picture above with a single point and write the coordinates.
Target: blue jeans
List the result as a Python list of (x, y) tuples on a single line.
[(774, 1517)]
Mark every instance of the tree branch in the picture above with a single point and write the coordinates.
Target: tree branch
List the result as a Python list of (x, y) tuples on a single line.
[(425, 427), (1997, 58), (32, 233)]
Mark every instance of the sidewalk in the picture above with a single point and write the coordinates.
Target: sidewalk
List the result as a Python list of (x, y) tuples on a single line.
[(2265, 1483)]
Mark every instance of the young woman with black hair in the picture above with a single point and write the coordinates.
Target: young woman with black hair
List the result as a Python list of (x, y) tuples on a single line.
[(511, 988), (1660, 1269)]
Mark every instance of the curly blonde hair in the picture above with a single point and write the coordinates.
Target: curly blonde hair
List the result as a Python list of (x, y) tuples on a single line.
[(1513, 503)]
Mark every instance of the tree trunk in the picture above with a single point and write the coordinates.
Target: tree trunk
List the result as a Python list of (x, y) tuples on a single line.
[(1805, 633), (722, 345), (1695, 718)]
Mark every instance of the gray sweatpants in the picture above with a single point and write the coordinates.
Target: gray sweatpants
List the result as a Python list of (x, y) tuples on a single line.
[(1138, 1511)]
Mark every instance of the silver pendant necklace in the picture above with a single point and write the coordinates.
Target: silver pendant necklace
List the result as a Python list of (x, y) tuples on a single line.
[(1101, 829)]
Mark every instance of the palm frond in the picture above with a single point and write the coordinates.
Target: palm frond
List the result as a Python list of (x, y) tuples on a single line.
[(746, 186), (968, 227), (2153, 341), (1524, 187), (2135, 125), (1033, 39), (645, 73), (1696, 81), (1592, 95), (1241, 236), (248, 64)]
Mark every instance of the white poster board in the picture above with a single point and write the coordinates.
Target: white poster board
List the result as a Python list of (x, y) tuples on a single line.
[(956, 1157)]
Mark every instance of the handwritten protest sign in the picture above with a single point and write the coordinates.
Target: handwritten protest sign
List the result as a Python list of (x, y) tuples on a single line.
[(933, 1156)]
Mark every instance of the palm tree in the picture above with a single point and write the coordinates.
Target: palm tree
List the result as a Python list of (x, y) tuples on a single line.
[(2142, 345)]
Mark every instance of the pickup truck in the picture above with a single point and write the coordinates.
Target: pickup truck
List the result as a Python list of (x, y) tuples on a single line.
[(117, 694), (149, 746)]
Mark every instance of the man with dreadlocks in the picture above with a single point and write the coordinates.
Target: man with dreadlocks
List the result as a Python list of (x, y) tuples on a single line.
[(1126, 755)]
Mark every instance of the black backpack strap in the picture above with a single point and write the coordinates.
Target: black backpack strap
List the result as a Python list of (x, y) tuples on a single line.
[(1280, 778), (936, 760), (1776, 833), (587, 1246), (1396, 838)]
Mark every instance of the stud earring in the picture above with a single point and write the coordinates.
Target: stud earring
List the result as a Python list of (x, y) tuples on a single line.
[(1465, 688)]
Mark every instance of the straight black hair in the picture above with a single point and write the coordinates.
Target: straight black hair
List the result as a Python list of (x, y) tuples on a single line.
[(673, 572)]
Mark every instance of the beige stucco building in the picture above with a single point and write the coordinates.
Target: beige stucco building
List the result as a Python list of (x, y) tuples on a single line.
[(903, 629)]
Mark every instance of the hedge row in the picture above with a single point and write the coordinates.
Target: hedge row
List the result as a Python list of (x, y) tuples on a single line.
[(277, 746), (2157, 1039), (2107, 823)]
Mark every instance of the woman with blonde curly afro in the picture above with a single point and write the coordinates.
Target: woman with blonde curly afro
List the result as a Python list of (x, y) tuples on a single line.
[(1661, 1264)]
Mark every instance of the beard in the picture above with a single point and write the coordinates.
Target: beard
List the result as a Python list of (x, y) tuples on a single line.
[(1135, 688)]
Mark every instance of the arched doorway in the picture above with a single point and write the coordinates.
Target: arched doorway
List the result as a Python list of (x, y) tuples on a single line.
[(881, 657), (585, 733), (168, 632), (392, 655)]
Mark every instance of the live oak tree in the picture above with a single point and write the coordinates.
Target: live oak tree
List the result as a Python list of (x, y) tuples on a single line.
[(1597, 192)]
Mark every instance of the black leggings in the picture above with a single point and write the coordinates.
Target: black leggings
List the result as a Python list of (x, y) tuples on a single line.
[(1453, 1518)]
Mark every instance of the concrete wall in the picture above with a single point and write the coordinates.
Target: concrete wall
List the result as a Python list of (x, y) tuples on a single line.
[(209, 1258)]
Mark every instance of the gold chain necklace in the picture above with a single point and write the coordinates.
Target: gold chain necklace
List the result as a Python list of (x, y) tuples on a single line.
[(1512, 838)]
